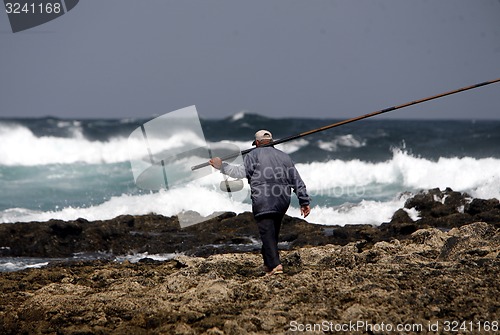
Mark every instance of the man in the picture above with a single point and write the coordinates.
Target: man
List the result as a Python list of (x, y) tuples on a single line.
[(271, 175)]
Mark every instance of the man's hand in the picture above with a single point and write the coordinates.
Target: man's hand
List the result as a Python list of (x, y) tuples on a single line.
[(216, 162), (305, 210)]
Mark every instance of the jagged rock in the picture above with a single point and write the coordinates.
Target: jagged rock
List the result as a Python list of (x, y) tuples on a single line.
[(477, 239), (435, 203), (229, 232), (432, 275), (477, 206), (400, 216), (448, 209)]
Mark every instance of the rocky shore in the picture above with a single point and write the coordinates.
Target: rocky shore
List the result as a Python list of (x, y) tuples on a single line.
[(425, 276)]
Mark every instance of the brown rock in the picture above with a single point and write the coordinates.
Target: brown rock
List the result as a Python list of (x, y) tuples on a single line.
[(433, 275)]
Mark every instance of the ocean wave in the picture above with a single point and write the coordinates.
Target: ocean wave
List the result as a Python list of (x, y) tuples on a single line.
[(348, 141), (173, 202), (370, 212), (164, 202), (21, 147), (237, 116), (12, 264), (480, 177), (343, 192)]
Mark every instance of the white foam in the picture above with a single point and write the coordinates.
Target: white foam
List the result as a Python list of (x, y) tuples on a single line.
[(342, 141), (373, 186), (12, 264), (238, 116), (134, 258), (167, 203), (206, 201), (164, 202), (290, 147), (480, 177), (21, 147), (365, 212)]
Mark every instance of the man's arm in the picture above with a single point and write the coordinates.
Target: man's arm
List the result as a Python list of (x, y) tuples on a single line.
[(235, 171)]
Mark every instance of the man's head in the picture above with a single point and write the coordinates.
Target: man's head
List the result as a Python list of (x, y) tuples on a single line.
[(262, 137)]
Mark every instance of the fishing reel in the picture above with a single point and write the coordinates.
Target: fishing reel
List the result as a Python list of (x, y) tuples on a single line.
[(231, 185)]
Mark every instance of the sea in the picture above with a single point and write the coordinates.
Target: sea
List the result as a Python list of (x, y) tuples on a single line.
[(358, 173)]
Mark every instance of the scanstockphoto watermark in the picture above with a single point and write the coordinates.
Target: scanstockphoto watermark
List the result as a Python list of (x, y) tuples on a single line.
[(366, 327), (334, 192), (26, 14), (359, 326), (340, 192), (284, 173)]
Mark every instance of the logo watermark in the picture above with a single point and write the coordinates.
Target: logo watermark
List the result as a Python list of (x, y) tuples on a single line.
[(360, 326), (26, 14), (367, 327), (164, 150), (353, 191)]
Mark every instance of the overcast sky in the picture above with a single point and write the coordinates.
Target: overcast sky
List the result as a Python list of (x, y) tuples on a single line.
[(280, 58)]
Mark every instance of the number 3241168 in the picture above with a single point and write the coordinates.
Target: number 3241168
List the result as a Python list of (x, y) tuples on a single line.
[(32, 8)]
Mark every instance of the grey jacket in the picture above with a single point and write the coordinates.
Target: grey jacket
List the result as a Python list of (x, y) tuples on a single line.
[(271, 175)]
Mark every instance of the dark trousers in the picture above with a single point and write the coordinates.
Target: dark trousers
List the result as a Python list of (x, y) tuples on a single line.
[(269, 230)]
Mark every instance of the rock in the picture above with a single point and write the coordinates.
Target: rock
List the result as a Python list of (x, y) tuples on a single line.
[(484, 210), (431, 275), (400, 216), (229, 233), (448, 209), (477, 206), (475, 240), (431, 237)]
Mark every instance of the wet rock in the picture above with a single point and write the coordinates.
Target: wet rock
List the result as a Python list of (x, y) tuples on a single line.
[(477, 206), (228, 232), (400, 216), (435, 203), (448, 209)]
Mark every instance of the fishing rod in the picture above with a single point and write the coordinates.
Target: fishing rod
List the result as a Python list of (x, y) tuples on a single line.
[(354, 119)]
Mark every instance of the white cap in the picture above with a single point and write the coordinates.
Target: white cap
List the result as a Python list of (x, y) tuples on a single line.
[(263, 135)]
